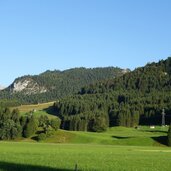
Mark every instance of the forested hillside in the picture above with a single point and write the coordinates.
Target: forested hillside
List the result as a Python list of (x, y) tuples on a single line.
[(135, 98), (52, 85)]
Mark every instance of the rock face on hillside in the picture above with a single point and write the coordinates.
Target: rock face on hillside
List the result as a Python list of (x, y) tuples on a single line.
[(2, 87), (124, 71), (27, 86)]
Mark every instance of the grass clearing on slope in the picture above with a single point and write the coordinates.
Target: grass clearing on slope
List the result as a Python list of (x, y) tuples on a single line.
[(28, 108), (55, 157), (114, 136), (37, 109)]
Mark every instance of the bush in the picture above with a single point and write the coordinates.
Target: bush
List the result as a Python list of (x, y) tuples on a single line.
[(49, 132), (41, 137), (55, 123)]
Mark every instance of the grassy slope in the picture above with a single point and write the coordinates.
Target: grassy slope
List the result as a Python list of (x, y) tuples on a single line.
[(114, 136), (40, 109), (54, 157), (27, 108), (120, 149)]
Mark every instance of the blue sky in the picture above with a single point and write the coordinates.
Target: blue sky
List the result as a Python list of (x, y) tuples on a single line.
[(37, 35)]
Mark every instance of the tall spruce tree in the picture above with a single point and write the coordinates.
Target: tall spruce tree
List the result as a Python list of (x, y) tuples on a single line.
[(31, 127)]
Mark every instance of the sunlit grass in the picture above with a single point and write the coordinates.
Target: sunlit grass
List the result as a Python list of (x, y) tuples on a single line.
[(28, 108), (87, 157), (114, 136)]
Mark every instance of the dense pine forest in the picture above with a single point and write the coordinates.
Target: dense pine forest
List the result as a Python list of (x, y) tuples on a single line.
[(135, 98), (52, 85)]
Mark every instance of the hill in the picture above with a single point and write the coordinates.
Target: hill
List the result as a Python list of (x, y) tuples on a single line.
[(52, 85), (144, 136), (137, 97)]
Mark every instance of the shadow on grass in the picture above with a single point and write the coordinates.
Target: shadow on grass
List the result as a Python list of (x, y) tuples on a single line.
[(118, 137), (35, 138), (161, 139), (6, 166)]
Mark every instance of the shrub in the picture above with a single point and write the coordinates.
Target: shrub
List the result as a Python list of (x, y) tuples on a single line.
[(41, 137), (55, 123)]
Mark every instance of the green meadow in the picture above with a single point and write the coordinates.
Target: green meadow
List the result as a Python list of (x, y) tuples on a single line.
[(37, 109), (117, 149), (54, 157), (27, 108), (144, 136)]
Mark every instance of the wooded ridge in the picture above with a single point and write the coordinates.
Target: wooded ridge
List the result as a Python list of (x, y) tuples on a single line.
[(52, 85), (137, 97)]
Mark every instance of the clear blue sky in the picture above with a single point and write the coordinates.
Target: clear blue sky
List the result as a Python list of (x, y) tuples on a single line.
[(36, 35)]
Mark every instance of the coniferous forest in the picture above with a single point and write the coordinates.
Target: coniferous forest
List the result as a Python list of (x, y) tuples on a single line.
[(52, 85), (131, 99), (135, 98)]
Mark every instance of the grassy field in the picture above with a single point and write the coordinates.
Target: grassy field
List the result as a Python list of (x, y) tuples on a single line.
[(114, 136), (41, 106), (54, 157), (117, 149), (39, 109)]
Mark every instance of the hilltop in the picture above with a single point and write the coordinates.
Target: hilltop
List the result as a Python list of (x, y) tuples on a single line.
[(52, 85)]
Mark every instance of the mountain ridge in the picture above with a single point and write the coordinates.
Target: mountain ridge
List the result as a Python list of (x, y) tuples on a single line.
[(52, 85)]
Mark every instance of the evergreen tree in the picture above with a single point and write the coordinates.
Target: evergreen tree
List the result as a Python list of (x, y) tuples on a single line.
[(100, 124), (31, 127), (55, 123), (10, 127), (9, 130)]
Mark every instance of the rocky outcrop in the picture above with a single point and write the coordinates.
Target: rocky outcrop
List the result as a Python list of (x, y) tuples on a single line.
[(27, 86), (2, 87)]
